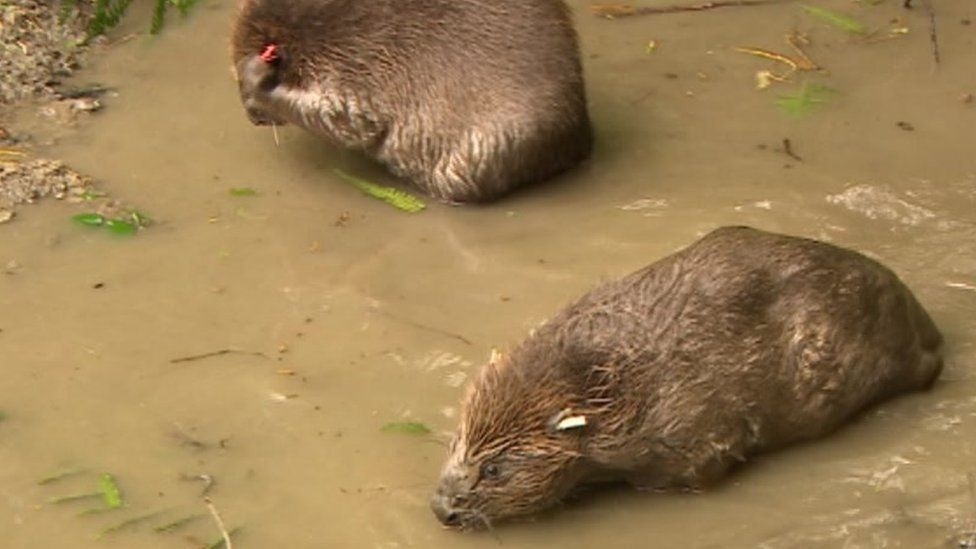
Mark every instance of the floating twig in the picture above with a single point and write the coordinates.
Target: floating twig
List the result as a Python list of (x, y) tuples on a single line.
[(219, 521), (788, 149), (212, 354), (208, 482), (222, 542), (421, 326), (933, 32), (613, 11), (801, 62)]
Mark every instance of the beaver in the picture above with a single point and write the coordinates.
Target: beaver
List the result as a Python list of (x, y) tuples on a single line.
[(469, 99), (743, 342)]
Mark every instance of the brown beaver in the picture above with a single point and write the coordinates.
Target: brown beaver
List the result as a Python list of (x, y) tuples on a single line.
[(467, 98), (743, 342)]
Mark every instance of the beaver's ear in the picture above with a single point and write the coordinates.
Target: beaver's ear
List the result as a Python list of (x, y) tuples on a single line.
[(566, 420)]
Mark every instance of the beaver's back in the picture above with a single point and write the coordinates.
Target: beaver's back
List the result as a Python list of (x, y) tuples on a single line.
[(477, 96), (744, 341)]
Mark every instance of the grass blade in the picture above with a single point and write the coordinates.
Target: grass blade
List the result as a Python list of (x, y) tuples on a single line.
[(407, 427), (176, 524), (128, 523), (838, 20), (59, 475), (395, 197), (803, 101), (75, 497)]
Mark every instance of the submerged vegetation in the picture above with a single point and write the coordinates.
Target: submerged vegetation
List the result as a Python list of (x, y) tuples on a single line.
[(106, 14), (838, 20), (805, 99), (110, 499), (401, 200), (407, 427), (126, 224)]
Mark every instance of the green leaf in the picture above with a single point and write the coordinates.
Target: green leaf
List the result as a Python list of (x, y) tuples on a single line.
[(408, 427), (839, 20), (111, 494), (243, 191), (803, 101), (121, 226), (395, 197), (90, 219)]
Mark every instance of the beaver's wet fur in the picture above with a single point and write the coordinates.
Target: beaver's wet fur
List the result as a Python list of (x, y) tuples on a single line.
[(744, 342), (469, 99)]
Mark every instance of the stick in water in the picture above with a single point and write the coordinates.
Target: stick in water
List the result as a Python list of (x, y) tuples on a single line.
[(219, 521)]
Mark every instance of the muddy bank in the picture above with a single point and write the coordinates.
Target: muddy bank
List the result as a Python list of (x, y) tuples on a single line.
[(40, 50)]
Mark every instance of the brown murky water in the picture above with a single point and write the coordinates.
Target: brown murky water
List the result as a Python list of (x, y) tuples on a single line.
[(382, 317)]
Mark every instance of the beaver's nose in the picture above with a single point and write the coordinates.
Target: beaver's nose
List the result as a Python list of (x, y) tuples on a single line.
[(257, 116), (441, 505)]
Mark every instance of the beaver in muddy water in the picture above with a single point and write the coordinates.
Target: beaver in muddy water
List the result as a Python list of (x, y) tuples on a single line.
[(743, 342), (469, 99)]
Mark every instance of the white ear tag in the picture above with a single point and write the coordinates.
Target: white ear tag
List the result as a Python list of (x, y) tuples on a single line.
[(571, 422), (496, 358)]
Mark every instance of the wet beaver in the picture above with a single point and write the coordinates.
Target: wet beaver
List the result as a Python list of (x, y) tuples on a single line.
[(743, 342), (467, 98)]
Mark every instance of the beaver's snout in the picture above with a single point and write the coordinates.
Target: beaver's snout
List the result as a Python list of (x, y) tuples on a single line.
[(258, 116), (448, 503), (444, 511)]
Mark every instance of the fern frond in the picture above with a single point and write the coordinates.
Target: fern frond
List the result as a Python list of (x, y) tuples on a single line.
[(158, 17)]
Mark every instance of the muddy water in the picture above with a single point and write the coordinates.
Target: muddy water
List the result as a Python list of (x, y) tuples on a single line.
[(349, 314)]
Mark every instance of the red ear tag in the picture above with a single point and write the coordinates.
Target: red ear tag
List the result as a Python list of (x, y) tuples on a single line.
[(270, 53)]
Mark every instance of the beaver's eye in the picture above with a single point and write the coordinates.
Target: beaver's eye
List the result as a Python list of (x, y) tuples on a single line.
[(489, 471)]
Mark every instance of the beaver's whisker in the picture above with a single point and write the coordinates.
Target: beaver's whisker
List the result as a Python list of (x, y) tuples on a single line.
[(487, 524)]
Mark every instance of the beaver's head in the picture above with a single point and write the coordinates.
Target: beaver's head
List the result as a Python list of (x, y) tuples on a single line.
[(518, 448)]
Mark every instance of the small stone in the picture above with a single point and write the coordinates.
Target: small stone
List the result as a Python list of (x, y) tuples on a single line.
[(86, 104), (6, 215)]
